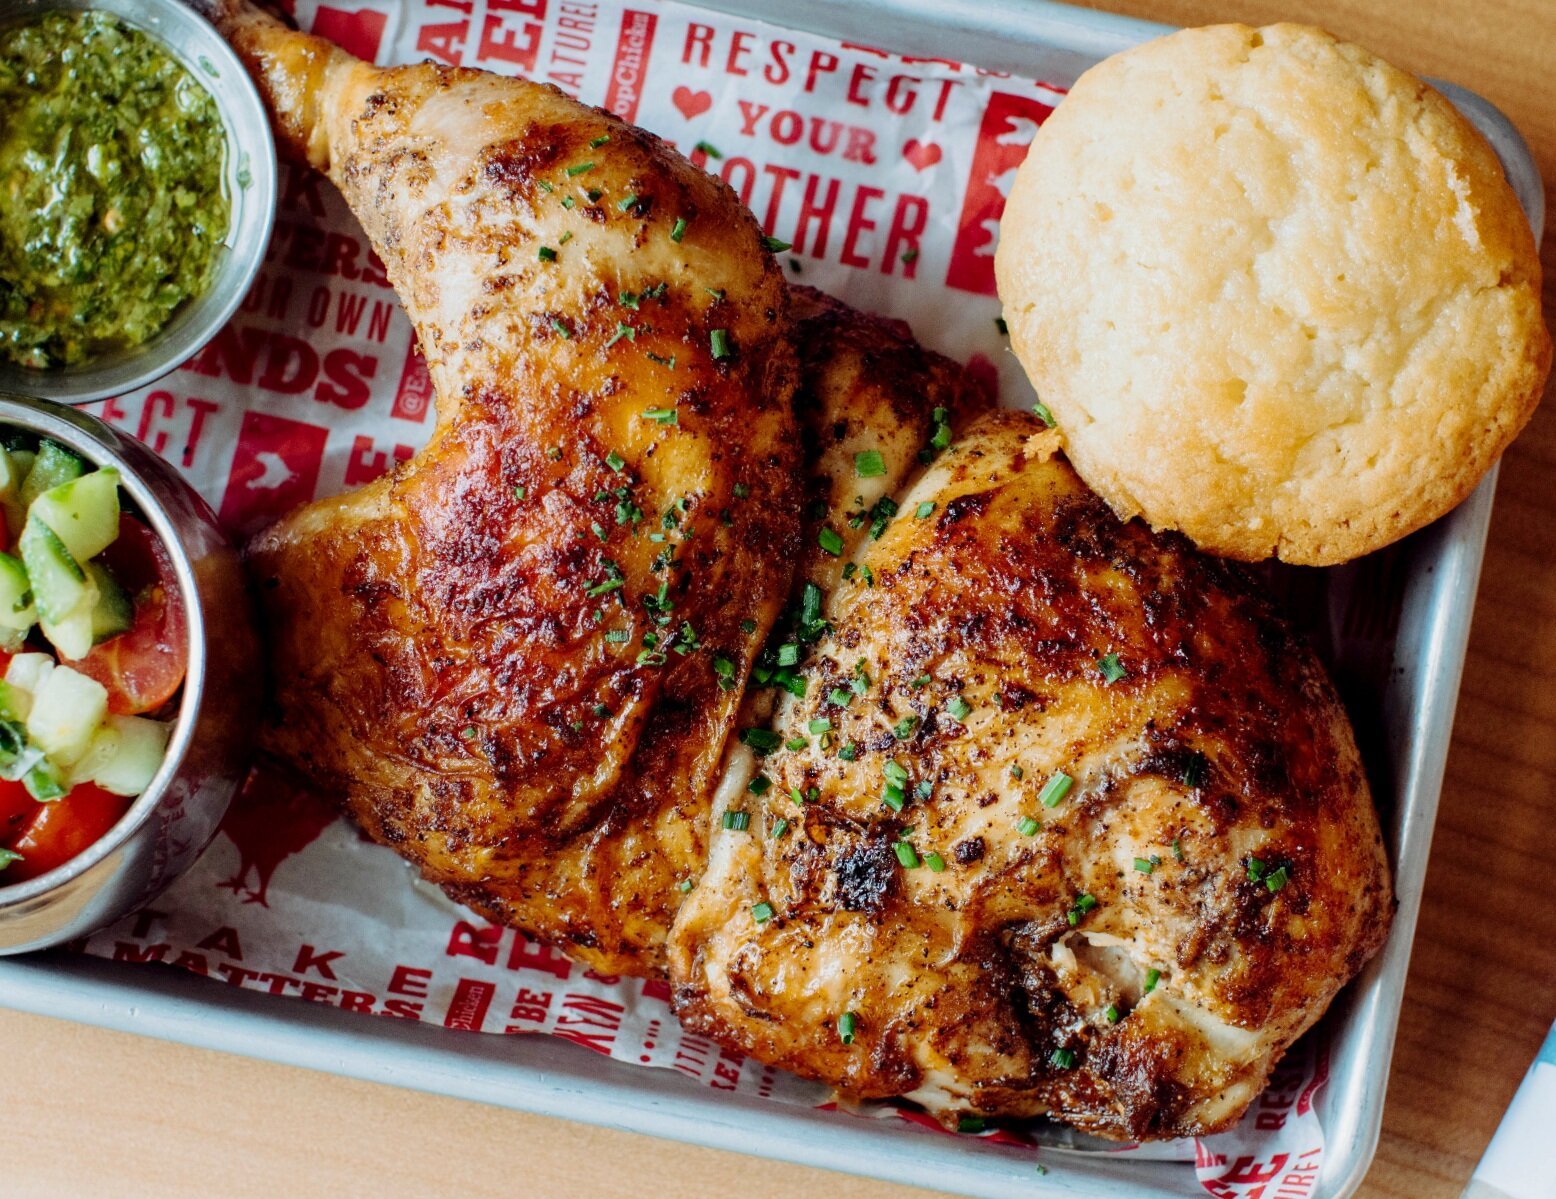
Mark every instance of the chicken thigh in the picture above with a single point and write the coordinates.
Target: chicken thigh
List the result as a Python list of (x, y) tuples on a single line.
[(1065, 820), (517, 658)]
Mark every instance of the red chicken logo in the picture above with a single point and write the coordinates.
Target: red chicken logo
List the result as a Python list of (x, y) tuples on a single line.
[(269, 821)]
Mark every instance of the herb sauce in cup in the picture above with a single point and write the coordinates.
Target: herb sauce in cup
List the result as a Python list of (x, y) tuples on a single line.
[(112, 205)]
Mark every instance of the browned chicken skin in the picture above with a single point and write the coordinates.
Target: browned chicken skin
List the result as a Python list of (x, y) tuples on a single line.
[(522, 659), (1129, 949), (517, 658)]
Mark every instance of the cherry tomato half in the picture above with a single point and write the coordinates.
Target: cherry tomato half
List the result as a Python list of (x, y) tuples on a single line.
[(143, 666), (62, 829)]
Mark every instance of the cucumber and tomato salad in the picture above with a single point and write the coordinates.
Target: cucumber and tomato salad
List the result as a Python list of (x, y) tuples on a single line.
[(93, 645)]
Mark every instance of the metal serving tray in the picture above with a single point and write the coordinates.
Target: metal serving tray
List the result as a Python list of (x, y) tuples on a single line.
[(1437, 569)]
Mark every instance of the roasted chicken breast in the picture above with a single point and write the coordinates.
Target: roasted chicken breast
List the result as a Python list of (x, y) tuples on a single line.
[(517, 658), (1067, 821)]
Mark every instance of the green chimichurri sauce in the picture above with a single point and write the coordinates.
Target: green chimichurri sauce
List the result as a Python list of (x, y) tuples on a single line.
[(111, 199)]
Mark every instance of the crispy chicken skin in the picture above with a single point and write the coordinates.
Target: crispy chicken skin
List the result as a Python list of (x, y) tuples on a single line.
[(1131, 958), (485, 655), (864, 383)]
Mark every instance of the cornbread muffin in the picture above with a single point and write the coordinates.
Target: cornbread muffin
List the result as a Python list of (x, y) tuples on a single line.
[(1276, 292)]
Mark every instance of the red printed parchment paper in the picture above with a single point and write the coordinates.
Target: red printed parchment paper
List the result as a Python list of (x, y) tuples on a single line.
[(887, 174)]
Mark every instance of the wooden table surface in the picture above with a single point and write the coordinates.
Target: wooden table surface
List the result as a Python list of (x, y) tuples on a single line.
[(91, 1113)]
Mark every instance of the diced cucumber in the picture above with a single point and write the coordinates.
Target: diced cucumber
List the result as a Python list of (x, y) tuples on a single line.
[(53, 465), (114, 610), (71, 637), (66, 711), (59, 585), (22, 460), (16, 607), (137, 756), (45, 782), (27, 671), (11, 494), (84, 513), (14, 703)]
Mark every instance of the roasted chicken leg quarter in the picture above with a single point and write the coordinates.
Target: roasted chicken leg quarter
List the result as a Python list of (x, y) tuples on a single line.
[(1064, 821), (517, 658)]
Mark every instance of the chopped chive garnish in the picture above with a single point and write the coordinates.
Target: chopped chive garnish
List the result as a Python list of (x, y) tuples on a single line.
[(1177, 848), (598, 531), (1146, 865), (1062, 1058), (894, 797), (934, 861), (468, 732), (905, 854), (546, 254), (970, 1124), (959, 708), (846, 1024), (562, 329), (1083, 904), (1112, 670), (924, 509), (668, 363), (903, 729), (626, 202), (1277, 879), (602, 711), (593, 194), (1113, 1014), (761, 740), (1255, 870), (651, 658), (741, 491), (599, 141), (737, 822), (679, 231), (895, 772), (748, 626), (618, 635), (788, 654), (662, 416), (604, 588), (762, 912), (840, 697), (910, 255), (1152, 977), (776, 244), (684, 886), (1055, 789), (868, 464), (546, 186), (920, 683), (1017, 773), (579, 168), (520, 492), (829, 541), (820, 725), (718, 341), (849, 752), (566, 237), (1194, 772), (622, 330), (568, 201), (615, 461), (999, 323), (1042, 413), (760, 785), (795, 743), (780, 829), (716, 292), (1027, 826)]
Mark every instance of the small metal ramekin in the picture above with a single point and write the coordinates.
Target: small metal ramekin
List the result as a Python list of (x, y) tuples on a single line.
[(208, 753), (251, 187)]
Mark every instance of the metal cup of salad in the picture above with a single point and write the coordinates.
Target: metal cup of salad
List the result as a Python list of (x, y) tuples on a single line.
[(126, 646)]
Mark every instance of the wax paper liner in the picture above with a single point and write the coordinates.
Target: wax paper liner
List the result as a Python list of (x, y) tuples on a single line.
[(887, 174)]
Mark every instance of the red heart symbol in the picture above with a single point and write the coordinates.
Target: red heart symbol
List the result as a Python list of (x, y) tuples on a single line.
[(691, 103), (922, 155)]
